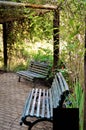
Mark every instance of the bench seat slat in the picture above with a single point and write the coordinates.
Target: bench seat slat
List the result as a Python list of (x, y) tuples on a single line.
[(43, 104), (39, 103), (30, 74), (39, 71), (51, 103), (34, 102), (58, 86), (28, 104), (55, 91), (61, 84), (24, 73), (55, 99), (64, 82), (47, 105)]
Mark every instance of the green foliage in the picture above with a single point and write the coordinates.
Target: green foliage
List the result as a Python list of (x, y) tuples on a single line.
[(41, 26), (72, 36), (77, 96), (21, 66), (44, 55)]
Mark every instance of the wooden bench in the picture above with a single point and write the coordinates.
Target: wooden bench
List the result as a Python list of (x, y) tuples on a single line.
[(40, 102), (36, 70)]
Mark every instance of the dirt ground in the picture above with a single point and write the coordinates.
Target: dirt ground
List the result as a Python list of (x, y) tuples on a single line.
[(12, 98)]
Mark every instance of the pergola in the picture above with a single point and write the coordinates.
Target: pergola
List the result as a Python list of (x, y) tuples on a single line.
[(10, 16), (4, 19)]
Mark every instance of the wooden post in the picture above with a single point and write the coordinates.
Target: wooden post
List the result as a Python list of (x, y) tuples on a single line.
[(56, 22), (85, 80), (7, 42), (5, 45)]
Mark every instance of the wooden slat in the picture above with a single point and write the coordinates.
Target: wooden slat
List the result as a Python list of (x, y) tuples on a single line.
[(29, 103), (55, 97), (39, 64), (41, 70), (58, 85), (34, 74), (61, 84), (64, 82), (25, 107), (47, 105), (33, 103), (29, 74), (43, 104), (24, 73), (38, 104), (51, 103), (56, 92), (52, 92)]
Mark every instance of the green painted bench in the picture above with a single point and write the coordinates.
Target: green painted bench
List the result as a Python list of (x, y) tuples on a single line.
[(40, 102), (36, 70)]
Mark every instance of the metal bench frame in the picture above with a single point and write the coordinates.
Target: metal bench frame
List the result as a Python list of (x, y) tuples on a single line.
[(36, 70), (40, 102)]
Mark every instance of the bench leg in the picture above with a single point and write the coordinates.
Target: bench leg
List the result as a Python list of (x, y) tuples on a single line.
[(39, 120)]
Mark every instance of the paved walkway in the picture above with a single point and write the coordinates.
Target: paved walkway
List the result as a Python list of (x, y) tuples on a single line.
[(12, 98)]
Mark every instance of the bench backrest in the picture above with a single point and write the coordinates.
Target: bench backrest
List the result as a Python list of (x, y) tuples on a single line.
[(39, 67), (59, 90)]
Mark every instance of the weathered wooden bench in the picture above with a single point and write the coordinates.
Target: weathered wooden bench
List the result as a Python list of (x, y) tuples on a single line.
[(40, 102), (36, 70)]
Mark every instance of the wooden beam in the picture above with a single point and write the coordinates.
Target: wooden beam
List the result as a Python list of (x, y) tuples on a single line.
[(27, 5)]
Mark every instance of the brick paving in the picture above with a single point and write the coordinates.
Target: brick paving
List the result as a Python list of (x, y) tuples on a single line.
[(12, 98)]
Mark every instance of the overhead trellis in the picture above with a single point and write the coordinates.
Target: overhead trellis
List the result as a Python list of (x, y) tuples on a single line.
[(10, 11)]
